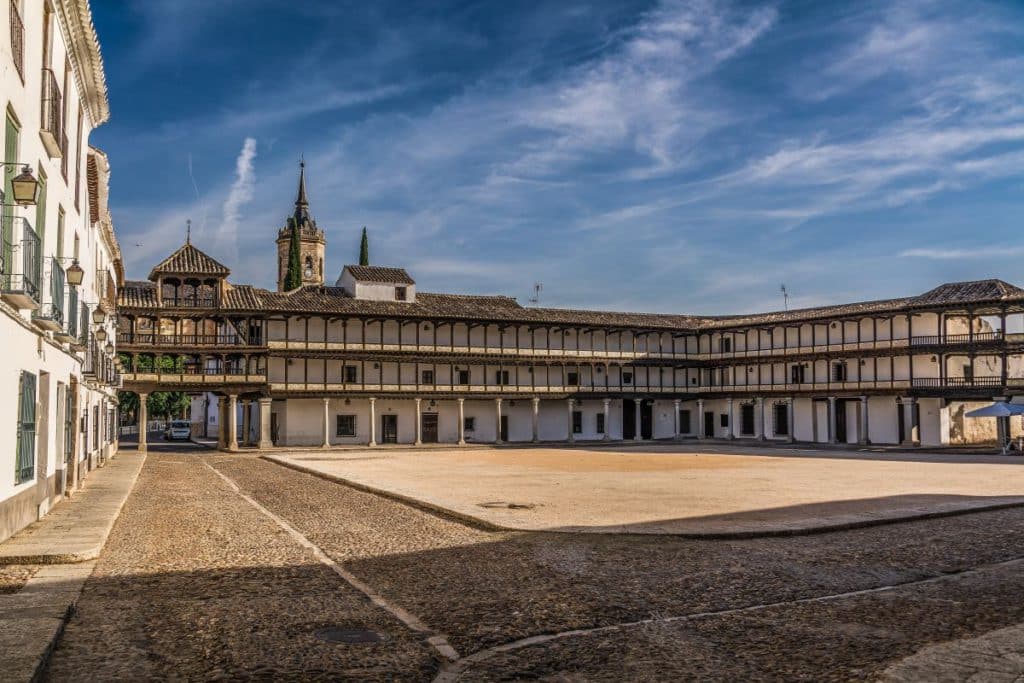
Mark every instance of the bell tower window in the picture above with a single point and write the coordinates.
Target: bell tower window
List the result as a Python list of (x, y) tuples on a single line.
[(307, 272)]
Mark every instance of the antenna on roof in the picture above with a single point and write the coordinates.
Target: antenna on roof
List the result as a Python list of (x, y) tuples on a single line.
[(785, 296), (188, 231), (538, 287)]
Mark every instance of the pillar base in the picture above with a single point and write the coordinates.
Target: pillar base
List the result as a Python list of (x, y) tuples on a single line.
[(265, 444), (460, 442), (417, 443)]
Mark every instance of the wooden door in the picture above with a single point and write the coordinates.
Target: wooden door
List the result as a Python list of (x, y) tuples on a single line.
[(389, 428), (429, 428)]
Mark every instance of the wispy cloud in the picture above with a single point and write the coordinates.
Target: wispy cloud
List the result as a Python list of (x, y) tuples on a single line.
[(240, 194), (962, 253)]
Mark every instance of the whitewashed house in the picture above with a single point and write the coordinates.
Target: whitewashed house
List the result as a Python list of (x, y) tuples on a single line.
[(57, 376)]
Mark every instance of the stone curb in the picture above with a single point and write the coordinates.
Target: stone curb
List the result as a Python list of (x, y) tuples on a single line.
[(779, 532), (91, 552)]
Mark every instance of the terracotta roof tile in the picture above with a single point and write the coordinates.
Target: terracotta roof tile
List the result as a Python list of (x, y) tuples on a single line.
[(189, 261), (396, 276)]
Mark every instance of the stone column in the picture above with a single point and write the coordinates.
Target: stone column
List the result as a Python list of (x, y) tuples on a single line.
[(759, 427), (462, 421), (910, 437), (497, 420), (606, 406), (419, 423), (832, 419), (730, 431), (700, 419), (675, 419), (789, 418), (862, 431), (246, 422), (373, 422), (143, 426), (327, 424), (265, 440), (222, 422), (570, 404), (536, 420), (233, 422), (637, 433)]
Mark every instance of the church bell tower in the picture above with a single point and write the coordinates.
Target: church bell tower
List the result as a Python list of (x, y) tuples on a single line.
[(300, 232)]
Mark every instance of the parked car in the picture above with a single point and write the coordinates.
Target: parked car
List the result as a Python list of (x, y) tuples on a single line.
[(178, 429)]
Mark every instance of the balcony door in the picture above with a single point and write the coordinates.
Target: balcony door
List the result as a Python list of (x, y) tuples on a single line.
[(389, 428), (429, 428)]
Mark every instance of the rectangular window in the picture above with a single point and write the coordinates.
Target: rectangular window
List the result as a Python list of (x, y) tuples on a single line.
[(796, 374), (780, 412), (725, 344), (627, 377), (724, 419), (747, 419), (351, 375), (839, 372), (577, 422), (346, 425), (26, 441), (501, 377), (600, 423), (463, 376), (427, 377), (572, 379), (469, 424), (399, 293), (684, 422), (968, 372)]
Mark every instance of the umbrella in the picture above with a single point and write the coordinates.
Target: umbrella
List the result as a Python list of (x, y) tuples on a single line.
[(997, 409)]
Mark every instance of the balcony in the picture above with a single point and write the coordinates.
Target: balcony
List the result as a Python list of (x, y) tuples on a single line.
[(69, 334), (183, 340), (17, 40), (982, 382), (51, 115), (19, 265), (189, 302), (50, 316)]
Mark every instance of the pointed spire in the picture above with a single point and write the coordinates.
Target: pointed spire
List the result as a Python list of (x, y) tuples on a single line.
[(301, 202), (188, 231)]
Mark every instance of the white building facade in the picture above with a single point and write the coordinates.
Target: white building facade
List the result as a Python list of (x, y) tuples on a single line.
[(57, 376), (370, 360)]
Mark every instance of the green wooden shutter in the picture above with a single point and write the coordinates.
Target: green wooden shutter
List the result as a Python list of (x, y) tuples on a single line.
[(7, 232), (26, 463)]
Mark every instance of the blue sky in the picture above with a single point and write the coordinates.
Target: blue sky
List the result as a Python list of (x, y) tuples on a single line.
[(662, 156)]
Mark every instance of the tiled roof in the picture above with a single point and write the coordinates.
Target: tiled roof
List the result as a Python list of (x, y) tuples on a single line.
[(189, 261), (334, 300), (963, 292), (396, 276)]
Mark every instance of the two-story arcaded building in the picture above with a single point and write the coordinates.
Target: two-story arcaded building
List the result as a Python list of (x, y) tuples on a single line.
[(371, 360), (59, 260)]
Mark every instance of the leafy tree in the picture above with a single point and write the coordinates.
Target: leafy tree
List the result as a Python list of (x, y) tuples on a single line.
[(293, 276), (364, 249)]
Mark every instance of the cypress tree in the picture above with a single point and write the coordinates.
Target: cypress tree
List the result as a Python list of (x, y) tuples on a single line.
[(293, 277), (364, 249)]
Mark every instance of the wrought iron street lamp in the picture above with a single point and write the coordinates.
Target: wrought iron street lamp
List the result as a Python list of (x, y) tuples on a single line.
[(99, 314), (101, 334), (75, 273), (24, 186), (109, 348)]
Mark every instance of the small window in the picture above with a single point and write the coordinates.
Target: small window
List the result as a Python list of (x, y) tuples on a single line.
[(724, 419), (501, 377), (427, 377), (796, 374), (577, 422), (839, 372), (463, 376), (400, 293), (969, 372), (469, 424), (600, 423), (350, 374), (725, 344), (627, 378), (572, 379), (346, 425)]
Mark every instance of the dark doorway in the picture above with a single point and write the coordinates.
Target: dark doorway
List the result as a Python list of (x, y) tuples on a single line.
[(429, 427), (840, 422), (273, 428), (389, 429), (684, 422), (504, 428), (781, 419), (709, 424), (628, 419), (901, 422), (646, 419), (747, 419)]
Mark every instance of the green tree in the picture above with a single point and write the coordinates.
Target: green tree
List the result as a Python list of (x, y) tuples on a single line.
[(364, 249), (293, 276)]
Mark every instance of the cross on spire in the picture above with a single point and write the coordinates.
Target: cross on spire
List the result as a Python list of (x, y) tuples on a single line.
[(301, 202)]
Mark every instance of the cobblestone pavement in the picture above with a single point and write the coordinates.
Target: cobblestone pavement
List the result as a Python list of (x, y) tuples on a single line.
[(196, 582)]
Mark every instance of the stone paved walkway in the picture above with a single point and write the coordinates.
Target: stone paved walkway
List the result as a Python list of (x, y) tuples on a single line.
[(196, 582), (77, 527)]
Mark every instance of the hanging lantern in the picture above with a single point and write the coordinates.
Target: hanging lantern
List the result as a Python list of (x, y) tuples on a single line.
[(75, 273), (99, 314), (25, 187), (101, 334)]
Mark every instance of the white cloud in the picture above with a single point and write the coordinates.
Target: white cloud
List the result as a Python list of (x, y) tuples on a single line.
[(240, 194)]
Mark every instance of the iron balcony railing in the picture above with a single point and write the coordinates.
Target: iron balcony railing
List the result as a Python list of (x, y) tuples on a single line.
[(54, 308), (958, 382), (190, 302), (51, 113), (152, 339), (977, 337), (21, 270), (17, 40)]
